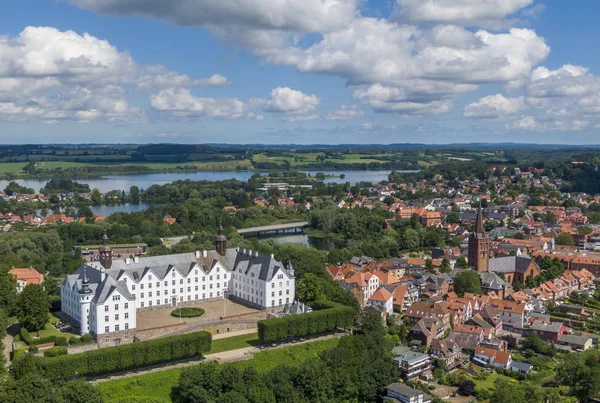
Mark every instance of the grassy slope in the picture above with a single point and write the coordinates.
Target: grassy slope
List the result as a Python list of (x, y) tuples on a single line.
[(160, 385)]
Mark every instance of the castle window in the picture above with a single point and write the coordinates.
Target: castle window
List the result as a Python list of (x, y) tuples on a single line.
[(117, 317), (126, 305), (116, 328), (106, 318), (105, 308), (126, 315), (106, 330)]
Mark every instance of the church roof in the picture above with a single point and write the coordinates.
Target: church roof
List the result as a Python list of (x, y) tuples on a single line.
[(509, 264)]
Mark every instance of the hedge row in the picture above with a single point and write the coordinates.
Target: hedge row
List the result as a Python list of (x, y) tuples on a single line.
[(25, 336), (55, 351), (307, 324), (30, 341), (125, 357)]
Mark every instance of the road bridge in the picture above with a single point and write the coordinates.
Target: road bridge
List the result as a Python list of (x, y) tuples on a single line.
[(276, 229)]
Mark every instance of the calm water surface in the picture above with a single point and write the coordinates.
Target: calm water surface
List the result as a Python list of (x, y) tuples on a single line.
[(144, 181)]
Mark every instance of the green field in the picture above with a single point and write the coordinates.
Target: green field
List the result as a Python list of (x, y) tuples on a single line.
[(12, 167), (161, 386), (16, 168)]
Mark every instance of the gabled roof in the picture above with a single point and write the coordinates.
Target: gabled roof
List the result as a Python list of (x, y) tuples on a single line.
[(381, 295)]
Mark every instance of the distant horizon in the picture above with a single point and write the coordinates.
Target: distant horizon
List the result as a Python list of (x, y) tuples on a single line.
[(306, 145)]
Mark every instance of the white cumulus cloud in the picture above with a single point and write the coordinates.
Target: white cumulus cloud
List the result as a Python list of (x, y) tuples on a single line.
[(494, 106), (463, 12)]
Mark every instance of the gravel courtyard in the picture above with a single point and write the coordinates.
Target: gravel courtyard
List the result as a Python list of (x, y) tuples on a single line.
[(214, 310)]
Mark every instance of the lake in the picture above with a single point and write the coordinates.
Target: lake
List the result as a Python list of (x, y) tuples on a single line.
[(144, 181)]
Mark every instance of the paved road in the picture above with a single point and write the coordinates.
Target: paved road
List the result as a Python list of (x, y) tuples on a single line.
[(168, 242), (232, 334), (7, 348), (241, 354)]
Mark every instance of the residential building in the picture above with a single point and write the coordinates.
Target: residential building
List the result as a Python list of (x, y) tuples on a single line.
[(488, 356), (412, 364), (402, 393), (383, 300), (25, 276), (447, 351)]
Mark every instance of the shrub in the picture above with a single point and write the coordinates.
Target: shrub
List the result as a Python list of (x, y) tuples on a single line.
[(18, 353), (307, 324), (467, 388), (55, 351), (125, 357), (187, 312), (33, 348), (74, 340), (87, 338), (25, 336)]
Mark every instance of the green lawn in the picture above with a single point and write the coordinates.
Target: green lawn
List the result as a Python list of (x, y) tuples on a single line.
[(234, 343), (160, 386), (50, 330), (488, 383)]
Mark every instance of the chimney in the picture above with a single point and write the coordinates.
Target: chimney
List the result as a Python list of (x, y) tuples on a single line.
[(256, 254), (249, 252), (204, 253), (197, 254), (102, 274), (272, 256), (136, 259), (127, 260)]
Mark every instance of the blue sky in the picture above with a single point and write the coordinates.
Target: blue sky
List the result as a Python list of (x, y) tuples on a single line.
[(284, 71)]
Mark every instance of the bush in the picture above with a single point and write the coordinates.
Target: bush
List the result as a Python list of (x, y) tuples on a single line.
[(33, 348), (187, 312), (74, 340), (467, 388), (307, 324), (55, 351), (125, 357), (26, 336), (18, 353), (87, 338)]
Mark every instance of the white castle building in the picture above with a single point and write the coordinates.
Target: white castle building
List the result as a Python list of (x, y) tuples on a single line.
[(103, 297)]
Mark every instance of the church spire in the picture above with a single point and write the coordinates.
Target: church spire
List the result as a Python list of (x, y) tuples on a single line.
[(105, 253), (479, 228), (221, 241)]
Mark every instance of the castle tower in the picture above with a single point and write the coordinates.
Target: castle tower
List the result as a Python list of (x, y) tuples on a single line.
[(105, 253), (84, 298), (221, 242), (479, 245)]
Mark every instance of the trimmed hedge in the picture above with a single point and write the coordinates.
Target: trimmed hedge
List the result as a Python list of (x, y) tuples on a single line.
[(125, 357), (25, 336), (326, 317), (30, 341), (55, 351), (187, 312)]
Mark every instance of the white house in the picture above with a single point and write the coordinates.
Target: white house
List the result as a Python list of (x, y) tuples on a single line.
[(489, 356), (383, 300), (103, 297)]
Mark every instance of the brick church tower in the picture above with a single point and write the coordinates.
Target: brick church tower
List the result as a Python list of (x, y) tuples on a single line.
[(479, 246)]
